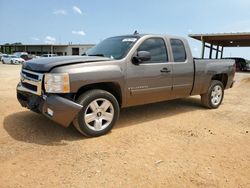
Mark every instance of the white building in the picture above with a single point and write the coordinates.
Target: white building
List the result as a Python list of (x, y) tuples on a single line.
[(39, 49)]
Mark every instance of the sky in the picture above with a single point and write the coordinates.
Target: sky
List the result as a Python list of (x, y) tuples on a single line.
[(90, 21)]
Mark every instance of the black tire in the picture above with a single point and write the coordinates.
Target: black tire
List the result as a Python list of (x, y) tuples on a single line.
[(206, 99), (85, 99), (3, 62), (11, 62)]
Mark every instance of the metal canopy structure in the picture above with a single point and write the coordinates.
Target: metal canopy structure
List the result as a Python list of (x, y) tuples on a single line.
[(217, 42)]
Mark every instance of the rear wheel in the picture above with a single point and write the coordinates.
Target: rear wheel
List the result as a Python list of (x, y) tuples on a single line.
[(3, 61), (99, 113), (214, 97)]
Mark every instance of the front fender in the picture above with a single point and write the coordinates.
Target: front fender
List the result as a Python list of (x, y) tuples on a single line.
[(92, 73)]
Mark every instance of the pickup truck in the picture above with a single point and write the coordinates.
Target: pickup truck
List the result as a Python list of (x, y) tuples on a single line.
[(119, 72)]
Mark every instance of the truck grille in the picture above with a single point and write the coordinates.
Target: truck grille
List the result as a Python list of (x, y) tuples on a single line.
[(30, 75), (29, 86), (32, 81)]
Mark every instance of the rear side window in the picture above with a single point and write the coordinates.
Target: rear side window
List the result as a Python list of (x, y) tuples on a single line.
[(157, 49), (178, 50)]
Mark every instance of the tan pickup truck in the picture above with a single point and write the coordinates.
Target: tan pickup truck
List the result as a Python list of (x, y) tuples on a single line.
[(121, 71)]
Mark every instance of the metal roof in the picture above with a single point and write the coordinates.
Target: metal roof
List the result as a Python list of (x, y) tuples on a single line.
[(225, 39)]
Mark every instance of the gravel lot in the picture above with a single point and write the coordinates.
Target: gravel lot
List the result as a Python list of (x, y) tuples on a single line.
[(170, 144)]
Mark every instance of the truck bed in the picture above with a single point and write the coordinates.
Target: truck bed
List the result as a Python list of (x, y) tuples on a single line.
[(205, 69)]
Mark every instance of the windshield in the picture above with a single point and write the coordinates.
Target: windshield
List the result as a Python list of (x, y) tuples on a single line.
[(13, 56), (114, 47)]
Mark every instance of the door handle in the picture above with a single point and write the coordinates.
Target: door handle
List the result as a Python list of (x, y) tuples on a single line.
[(165, 69)]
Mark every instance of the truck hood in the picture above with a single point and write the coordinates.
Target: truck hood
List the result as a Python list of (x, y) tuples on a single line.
[(47, 63)]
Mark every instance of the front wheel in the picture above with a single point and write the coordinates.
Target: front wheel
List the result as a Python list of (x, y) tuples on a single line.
[(214, 96), (99, 113)]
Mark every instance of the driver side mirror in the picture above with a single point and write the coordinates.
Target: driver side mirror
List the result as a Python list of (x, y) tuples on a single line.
[(141, 56)]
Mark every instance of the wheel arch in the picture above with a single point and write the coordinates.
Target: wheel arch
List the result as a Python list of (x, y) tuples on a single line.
[(111, 87), (223, 78)]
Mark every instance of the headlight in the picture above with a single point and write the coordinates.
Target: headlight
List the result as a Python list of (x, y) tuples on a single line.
[(57, 83)]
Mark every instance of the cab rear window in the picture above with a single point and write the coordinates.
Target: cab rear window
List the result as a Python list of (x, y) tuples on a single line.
[(178, 50)]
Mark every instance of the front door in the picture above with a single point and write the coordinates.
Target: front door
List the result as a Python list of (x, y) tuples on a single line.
[(150, 81)]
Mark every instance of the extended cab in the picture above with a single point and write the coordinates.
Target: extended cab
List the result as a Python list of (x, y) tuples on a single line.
[(121, 71)]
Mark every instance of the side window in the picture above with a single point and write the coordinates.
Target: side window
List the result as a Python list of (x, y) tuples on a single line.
[(157, 49), (178, 50)]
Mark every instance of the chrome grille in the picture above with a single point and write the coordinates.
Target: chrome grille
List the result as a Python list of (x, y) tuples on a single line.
[(32, 81)]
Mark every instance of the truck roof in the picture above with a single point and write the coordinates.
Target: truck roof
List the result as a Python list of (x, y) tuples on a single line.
[(149, 34)]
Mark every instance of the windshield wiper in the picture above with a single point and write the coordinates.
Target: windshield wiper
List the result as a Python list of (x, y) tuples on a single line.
[(101, 55)]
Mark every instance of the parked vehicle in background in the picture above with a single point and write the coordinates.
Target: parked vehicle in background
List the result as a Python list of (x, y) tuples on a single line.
[(32, 56), (23, 55), (12, 59), (48, 55), (240, 63), (247, 68), (1, 55), (122, 71), (5, 58)]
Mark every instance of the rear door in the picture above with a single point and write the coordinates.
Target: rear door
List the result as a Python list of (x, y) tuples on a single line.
[(183, 68), (150, 81)]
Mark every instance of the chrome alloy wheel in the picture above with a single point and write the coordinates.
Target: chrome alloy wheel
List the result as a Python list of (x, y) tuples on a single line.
[(216, 95), (99, 114)]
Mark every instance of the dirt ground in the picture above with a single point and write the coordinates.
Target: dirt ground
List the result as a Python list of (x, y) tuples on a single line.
[(170, 144)]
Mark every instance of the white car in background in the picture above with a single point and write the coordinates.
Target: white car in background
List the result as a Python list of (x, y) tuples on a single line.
[(1, 55), (12, 59), (48, 55)]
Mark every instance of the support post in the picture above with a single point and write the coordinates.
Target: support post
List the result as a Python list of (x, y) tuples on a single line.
[(217, 51), (221, 53), (211, 51), (203, 49), (41, 50)]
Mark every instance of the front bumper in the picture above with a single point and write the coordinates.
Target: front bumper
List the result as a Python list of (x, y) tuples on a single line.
[(57, 108)]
